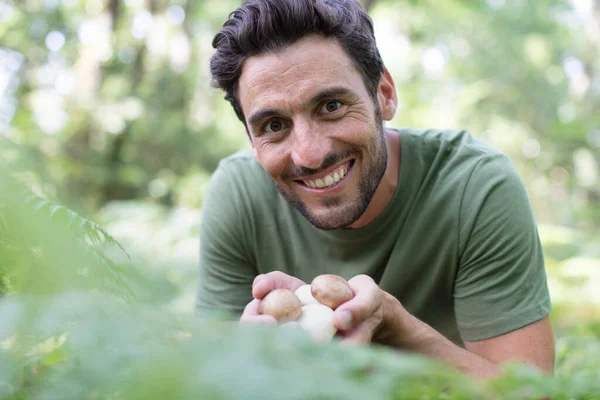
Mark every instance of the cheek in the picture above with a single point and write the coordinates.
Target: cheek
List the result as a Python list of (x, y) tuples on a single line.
[(355, 131), (272, 160)]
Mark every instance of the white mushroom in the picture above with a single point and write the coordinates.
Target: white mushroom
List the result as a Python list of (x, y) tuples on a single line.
[(317, 320), (282, 304), (305, 296), (290, 324), (331, 290)]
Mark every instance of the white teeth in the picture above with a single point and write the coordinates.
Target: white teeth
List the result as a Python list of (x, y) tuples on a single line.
[(329, 180)]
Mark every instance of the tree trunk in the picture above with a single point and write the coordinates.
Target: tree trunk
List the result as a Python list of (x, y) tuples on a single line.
[(112, 189)]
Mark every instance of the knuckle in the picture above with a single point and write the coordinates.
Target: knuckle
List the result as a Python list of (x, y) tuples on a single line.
[(362, 280), (361, 310), (276, 278), (276, 274)]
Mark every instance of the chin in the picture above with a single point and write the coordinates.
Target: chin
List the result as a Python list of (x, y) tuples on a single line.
[(331, 213), (338, 218)]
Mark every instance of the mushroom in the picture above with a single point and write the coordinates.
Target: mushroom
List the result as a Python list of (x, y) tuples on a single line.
[(282, 304), (317, 320), (305, 296), (331, 290)]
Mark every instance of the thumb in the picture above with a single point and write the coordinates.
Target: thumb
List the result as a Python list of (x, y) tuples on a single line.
[(362, 306)]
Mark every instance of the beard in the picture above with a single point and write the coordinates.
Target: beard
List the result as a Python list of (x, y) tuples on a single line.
[(343, 213)]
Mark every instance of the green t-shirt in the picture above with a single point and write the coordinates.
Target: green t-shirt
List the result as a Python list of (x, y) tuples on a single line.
[(457, 245)]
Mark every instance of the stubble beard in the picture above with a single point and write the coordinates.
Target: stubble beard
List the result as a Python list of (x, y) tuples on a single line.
[(342, 213)]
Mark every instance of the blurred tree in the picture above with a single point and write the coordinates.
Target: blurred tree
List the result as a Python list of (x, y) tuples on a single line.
[(102, 100), (524, 76), (112, 98)]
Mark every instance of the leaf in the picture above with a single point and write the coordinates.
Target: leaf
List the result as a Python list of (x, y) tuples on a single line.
[(42, 234), (54, 357)]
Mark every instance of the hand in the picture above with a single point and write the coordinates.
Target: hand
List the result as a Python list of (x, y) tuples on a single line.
[(262, 285), (365, 318)]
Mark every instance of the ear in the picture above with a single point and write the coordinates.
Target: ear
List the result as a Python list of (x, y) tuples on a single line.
[(386, 94)]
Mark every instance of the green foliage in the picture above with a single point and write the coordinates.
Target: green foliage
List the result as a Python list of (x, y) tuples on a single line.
[(112, 98), (77, 345), (120, 351), (46, 248), (67, 335), (113, 115), (121, 106)]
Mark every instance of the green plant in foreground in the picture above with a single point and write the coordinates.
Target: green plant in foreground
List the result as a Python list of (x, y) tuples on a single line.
[(47, 248), (78, 345), (72, 329), (90, 346)]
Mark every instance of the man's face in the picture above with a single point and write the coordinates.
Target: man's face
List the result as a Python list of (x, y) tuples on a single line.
[(315, 129)]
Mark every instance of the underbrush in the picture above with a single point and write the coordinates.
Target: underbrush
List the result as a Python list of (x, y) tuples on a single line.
[(80, 320)]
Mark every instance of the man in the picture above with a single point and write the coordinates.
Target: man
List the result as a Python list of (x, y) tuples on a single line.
[(432, 228)]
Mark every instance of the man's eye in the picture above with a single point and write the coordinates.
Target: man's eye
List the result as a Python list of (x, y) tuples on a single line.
[(330, 106), (273, 126)]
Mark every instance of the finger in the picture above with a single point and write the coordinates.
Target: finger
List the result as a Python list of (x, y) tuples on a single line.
[(252, 315), (362, 334), (265, 283), (366, 301), (251, 308)]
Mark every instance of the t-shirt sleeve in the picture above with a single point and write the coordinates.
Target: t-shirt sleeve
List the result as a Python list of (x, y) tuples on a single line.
[(226, 265), (501, 281)]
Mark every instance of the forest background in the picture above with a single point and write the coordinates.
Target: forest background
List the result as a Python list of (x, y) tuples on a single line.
[(106, 108)]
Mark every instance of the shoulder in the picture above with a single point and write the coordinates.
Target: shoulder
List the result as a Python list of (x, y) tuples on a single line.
[(453, 141), (239, 186), (242, 163), (453, 157), (240, 172)]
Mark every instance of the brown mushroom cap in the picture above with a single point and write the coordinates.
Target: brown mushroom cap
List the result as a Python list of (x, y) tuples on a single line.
[(331, 290), (282, 304)]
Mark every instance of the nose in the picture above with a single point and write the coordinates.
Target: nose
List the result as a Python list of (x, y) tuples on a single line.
[(309, 147)]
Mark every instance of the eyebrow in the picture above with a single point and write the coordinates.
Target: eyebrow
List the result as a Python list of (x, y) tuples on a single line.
[(332, 92), (259, 115), (256, 117)]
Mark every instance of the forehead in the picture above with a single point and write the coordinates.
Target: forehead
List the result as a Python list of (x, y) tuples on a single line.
[(291, 76)]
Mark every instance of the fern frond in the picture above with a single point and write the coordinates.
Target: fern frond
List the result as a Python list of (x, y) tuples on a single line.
[(44, 245), (91, 231)]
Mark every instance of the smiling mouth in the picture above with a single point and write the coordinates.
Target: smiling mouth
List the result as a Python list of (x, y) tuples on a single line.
[(329, 180)]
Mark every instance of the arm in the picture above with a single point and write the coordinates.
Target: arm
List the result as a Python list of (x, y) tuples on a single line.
[(376, 316), (226, 266), (501, 297), (532, 344)]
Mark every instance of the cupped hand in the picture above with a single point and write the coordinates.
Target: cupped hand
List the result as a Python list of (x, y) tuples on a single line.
[(263, 285), (365, 316)]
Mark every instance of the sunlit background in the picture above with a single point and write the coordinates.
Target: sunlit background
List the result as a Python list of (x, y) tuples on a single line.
[(106, 107)]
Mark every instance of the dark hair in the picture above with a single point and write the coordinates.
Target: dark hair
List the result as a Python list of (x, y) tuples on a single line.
[(260, 26)]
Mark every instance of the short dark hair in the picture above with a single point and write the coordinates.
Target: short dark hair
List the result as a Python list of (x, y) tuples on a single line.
[(260, 26)]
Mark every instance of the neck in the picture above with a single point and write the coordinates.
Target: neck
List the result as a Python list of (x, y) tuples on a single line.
[(387, 187)]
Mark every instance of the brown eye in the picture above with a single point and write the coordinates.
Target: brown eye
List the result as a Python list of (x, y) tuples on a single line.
[(274, 126), (331, 106)]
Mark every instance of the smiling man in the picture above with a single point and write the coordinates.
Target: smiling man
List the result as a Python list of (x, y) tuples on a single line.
[(433, 229), (318, 134)]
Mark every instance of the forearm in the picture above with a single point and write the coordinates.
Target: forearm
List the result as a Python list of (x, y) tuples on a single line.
[(428, 341), (425, 340)]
